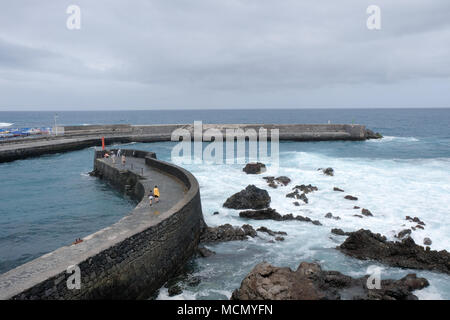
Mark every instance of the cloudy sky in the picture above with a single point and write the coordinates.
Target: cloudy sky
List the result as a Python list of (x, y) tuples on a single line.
[(170, 54)]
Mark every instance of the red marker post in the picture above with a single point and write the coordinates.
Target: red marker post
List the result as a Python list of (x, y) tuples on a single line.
[(103, 143)]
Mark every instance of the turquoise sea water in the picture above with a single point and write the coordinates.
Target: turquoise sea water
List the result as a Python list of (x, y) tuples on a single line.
[(49, 201)]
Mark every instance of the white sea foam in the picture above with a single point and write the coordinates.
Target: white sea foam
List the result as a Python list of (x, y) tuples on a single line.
[(390, 189), (394, 139), (5, 124)]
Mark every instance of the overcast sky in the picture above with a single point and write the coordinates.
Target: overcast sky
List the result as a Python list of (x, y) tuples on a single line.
[(171, 54)]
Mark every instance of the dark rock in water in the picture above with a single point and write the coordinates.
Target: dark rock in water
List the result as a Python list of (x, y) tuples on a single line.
[(283, 180), (364, 244), (305, 188), (402, 234), (427, 241), (327, 171), (356, 207), (271, 214), (296, 203), (372, 135), (204, 252), (275, 182), (419, 227), (297, 195), (174, 290), (279, 239), (366, 212), (339, 232), (416, 220), (310, 282), (348, 197), (227, 232), (337, 189), (358, 216), (304, 198), (264, 214), (216, 212), (271, 232), (329, 215), (254, 168), (249, 198)]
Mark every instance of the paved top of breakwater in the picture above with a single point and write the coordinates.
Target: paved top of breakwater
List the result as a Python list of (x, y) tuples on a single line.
[(177, 186), (78, 137)]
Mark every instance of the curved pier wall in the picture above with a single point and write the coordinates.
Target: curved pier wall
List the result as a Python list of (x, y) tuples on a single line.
[(130, 259)]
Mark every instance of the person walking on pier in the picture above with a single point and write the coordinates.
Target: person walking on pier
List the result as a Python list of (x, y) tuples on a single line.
[(156, 194), (113, 157), (150, 198), (123, 160)]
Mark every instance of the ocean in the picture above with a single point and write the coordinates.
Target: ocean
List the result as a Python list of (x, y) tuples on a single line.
[(50, 201)]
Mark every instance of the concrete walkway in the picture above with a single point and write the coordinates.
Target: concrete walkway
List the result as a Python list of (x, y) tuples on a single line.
[(170, 188)]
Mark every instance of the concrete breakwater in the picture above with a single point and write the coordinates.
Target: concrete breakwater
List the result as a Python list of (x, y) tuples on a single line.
[(79, 137), (131, 258)]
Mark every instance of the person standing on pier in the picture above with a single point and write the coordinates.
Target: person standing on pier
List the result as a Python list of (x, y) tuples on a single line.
[(156, 194), (113, 157), (123, 159)]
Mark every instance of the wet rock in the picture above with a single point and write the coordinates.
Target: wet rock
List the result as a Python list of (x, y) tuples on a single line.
[(174, 290), (338, 189), (349, 197), (366, 212), (427, 241), (372, 135), (416, 220), (254, 168), (329, 215), (404, 233), (356, 207), (305, 188), (296, 203), (204, 252), (227, 232), (279, 239), (339, 232), (327, 171), (283, 180), (296, 195), (364, 244), (215, 213), (272, 214), (310, 282), (419, 227), (358, 216), (249, 198), (271, 232)]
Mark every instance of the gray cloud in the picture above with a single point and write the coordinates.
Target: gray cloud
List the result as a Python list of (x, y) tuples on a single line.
[(224, 54)]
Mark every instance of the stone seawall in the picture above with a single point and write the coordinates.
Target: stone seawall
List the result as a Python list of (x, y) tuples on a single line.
[(79, 137), (128, 260)]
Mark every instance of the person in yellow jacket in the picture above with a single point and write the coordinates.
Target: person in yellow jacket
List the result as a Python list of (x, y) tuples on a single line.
[(156, 193)]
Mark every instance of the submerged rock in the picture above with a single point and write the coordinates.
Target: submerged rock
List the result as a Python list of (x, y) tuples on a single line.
[(364, 244), (402, 234), (327, 171), (310, 282), (349, 197), (366, 212), (427, 241), (416, 220), (204, 252), (339, 232), (249, 198), (254, 168), (297, 195), (227, 232), (271, 232), (329, 215), (338, 189), (306, 188)]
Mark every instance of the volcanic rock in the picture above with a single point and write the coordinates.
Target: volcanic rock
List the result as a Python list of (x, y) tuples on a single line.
[(254, 168), (310, 282), (227, 232), (364, 244), (249, 198)]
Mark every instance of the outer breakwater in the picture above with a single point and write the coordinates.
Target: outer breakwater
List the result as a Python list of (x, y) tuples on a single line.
[(131, 258), (79, 137)]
